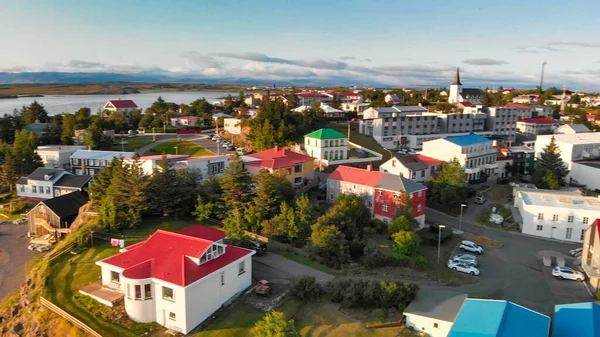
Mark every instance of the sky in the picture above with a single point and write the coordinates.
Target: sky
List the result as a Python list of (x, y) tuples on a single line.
[(396, 43)]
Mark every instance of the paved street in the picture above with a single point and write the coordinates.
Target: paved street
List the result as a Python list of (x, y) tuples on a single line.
[(14, 255), (514, 272)]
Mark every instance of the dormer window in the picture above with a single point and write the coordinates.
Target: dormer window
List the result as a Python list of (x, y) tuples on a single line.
[(212, 253)]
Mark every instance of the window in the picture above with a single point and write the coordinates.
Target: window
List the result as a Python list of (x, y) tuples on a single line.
[(570, 219), (172, 316), (419, 207), (393, 163), (298, 168), (33, 189), (167, 294), (422, 173), (555, 217), (147, 291), (569, 233), (22, 188), (384, 207), (115, 277), (288, 171), (331, 196), (420, 194), (435, 325), (369, 204), (585, 220), (222, 279), (298, 180), (216, 168), (47, 190), (241, 268), (540, 227), (582, 234), (129, 291), (138, 292), (380, 193)]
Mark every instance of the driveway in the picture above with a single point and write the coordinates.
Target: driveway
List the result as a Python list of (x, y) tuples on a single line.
[(281, 268), (514, 272), (14, 255)]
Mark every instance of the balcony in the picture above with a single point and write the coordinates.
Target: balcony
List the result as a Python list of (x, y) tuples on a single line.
[(472, 170), (491, 166)]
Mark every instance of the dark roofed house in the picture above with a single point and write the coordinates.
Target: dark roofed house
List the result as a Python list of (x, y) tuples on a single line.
[(45, 183), (52, 218), (434, 311)]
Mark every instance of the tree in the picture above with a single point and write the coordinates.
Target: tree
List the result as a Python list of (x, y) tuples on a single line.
[(24, 158), (304, 216), (108, 214), (271, 191), (406, 243), (551, 181), (264, 139), (330, 244), (486, 99), (450, 173), (236, 184), (168, 192), (95, 138), (402, 223), (349, 214), (403, 204), (68, 131), (275, 324), (33, 113), (235, 225), (550, 161), (203, 210)]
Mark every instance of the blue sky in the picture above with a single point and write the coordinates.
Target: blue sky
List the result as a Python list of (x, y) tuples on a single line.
[(404, 43)]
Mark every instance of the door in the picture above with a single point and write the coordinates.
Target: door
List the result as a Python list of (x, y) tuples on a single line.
[(164, 318), (553, 233)]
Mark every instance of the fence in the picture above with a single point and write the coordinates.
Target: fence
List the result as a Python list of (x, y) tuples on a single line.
[(68, 317), (60, 252)]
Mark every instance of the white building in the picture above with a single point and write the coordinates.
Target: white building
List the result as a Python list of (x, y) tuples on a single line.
[(461, 122), (541, 111), (417, 167), (185, 121), (392, 99), (149, 163), (586, 172), (475, 154), (232, 126), (119, 105), (178, 280), (92, 161), (207, 166), (572, 129), (537, 126), (45, 183), (57, 156), (526, 99), (562, 215), (502, 120), (459, 94), (326, 144), (359, 108), (434, 311)]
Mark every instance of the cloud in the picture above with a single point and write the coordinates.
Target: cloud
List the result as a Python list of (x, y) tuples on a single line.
[(88, 66), (347, 58), (201, 60), (550, 48), (575, 44), (484, 62), (525, 50)]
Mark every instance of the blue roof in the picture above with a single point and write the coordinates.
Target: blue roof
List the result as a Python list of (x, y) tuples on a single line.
[(467, 140), (576, 320), (489, 318)]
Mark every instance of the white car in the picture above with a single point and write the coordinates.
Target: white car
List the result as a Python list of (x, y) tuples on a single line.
[(20, 221), (480, 199), (562, 273), (575, 252), (470, 246), (43, 248), (463, 267), (33, 246), (466, 258)]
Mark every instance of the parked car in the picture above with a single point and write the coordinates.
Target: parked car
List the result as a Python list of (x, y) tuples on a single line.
[(43, 248), (241, 151), (562, 273), (20, 221), (463, 267), (259, 247), (231, 148), (470, 246), (33, 246), (480, 199), (575, 252), (466, 258), (225, 145)]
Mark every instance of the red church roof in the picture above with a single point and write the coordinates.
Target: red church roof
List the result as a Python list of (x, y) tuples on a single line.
[(123, 104), (277, 158), (538, 121), (167, 256)]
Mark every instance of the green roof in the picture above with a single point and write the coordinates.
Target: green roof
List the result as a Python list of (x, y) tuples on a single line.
[(326, 133)]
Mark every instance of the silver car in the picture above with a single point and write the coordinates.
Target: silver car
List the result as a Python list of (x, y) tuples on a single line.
[(466, 258)]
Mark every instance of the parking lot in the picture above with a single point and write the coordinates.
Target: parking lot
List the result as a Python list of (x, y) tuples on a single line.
[(14, 255)]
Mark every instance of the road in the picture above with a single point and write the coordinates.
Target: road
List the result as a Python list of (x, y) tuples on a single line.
[(14, 256), (514, 272)]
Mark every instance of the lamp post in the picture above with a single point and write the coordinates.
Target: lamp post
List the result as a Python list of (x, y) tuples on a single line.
[(440, 240), (460, 219), (153, 135), (176, 150)]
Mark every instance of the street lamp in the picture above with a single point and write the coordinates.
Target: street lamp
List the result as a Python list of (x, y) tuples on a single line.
[(460, 219), (153, 135), (440, 240), (176, 150)]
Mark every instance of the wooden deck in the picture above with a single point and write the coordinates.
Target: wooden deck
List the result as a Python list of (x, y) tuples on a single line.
[(103, 295)]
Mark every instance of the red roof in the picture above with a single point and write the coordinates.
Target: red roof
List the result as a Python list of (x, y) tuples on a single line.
[(593, 117), (311, 94), (123, 104), (356, 175), (466, 104), (538, 121), (159, 156), (186, 118), (517, 106), (428, 160), (167, 256), (277, 158), (345, 94)]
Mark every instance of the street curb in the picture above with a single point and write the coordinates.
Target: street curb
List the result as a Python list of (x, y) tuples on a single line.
[(587, 286)]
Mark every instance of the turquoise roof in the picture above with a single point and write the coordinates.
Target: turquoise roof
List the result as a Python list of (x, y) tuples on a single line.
[(489, 318), (467, 140), (576, 320)]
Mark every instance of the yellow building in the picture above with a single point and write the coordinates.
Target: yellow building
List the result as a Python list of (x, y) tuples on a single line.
[(297, 167)]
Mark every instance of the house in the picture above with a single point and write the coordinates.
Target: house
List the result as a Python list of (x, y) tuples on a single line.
[(52, 218), (537, 126), (541, 111), (149, 163), (185, 121), (347, 97), (459, 94), (232, 126), (504, 160), (571, 129), (576, 320), (381, 191), (308, 98), (590, 254), (392, 99), (119, 105), (523, 158), (562, 215), (296, 167), (434, 311), (416, 167), (92, 161), (207, 166), (216, 116), (526, 99), (586, 172), (57, 156), (359, 108), (475, 154), (326, 144), (593, 118), (492, 318), (44, 183), (178, 280)]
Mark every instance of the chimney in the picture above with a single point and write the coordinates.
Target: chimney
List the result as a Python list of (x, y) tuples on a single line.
[(276, 147), (369, 168)]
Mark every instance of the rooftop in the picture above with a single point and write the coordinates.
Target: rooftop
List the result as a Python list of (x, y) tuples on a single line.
[(67, 205), (60, 148), (160, 156), (517, 106), (559, 199), (522, 148), (277, 158), (468, 140), (490, 318), (376, 179), (428, 160), (101, 155), (72, 180), (40, 173), (575, 138), (412, 162), (326, 133), (581, 317), (122, 104), (168, 256), (538, 121), (438, 304)]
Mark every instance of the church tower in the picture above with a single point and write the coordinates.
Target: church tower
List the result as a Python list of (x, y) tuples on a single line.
[(455, 89)]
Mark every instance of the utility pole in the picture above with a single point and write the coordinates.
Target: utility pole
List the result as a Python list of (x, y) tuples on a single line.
[(542, 77), (563, 101)]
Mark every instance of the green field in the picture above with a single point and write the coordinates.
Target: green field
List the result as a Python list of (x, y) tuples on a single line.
[(183, 147), (132, 143)]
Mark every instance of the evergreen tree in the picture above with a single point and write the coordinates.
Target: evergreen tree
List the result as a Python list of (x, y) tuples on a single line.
[(99, 187), (25, 159), (108, 214), (551, 181), (304, 216), (330, 243), (203, 210), (264, 139), (271, 191), (235, 225), (8, 176), (550, 161), (166, 191), (236, 184), (34, 112)]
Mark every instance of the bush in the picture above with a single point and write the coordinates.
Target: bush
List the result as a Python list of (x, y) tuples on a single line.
[(401, 308), (430, 237), (378, 315), (356, 249), (597, 296), (304, 288), (370, 293), (378, 225), (17, 208)]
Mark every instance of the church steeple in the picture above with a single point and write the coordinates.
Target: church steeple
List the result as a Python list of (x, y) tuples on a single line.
[(456, 78)]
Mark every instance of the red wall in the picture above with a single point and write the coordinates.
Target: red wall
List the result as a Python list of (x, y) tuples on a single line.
[(387, 197)]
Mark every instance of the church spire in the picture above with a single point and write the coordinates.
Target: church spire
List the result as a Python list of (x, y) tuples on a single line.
[(456, 78)]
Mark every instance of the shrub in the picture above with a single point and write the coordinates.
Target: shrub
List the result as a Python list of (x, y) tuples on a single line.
[(304, 288), (378, 225), (17, 207), (356, 249), (597, 296), (370, 293), (378, 315), (401, 308)]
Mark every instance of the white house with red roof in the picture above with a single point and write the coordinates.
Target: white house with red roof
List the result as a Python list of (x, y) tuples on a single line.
[(119, 105), (381, 191), (208, 166), (296, 167), (308, 98), (526, 99), (417, 167), (185, 121), (178, 279), (537, 126)]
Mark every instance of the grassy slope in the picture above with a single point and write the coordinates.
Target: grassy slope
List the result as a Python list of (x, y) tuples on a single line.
[(362, 140), (132, 143), (183, 147)]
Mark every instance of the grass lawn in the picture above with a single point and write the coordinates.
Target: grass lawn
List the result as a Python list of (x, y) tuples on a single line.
[(183, 147), (362, 140), (71, 272), (440, 271), (280, 249), (132, 143)]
